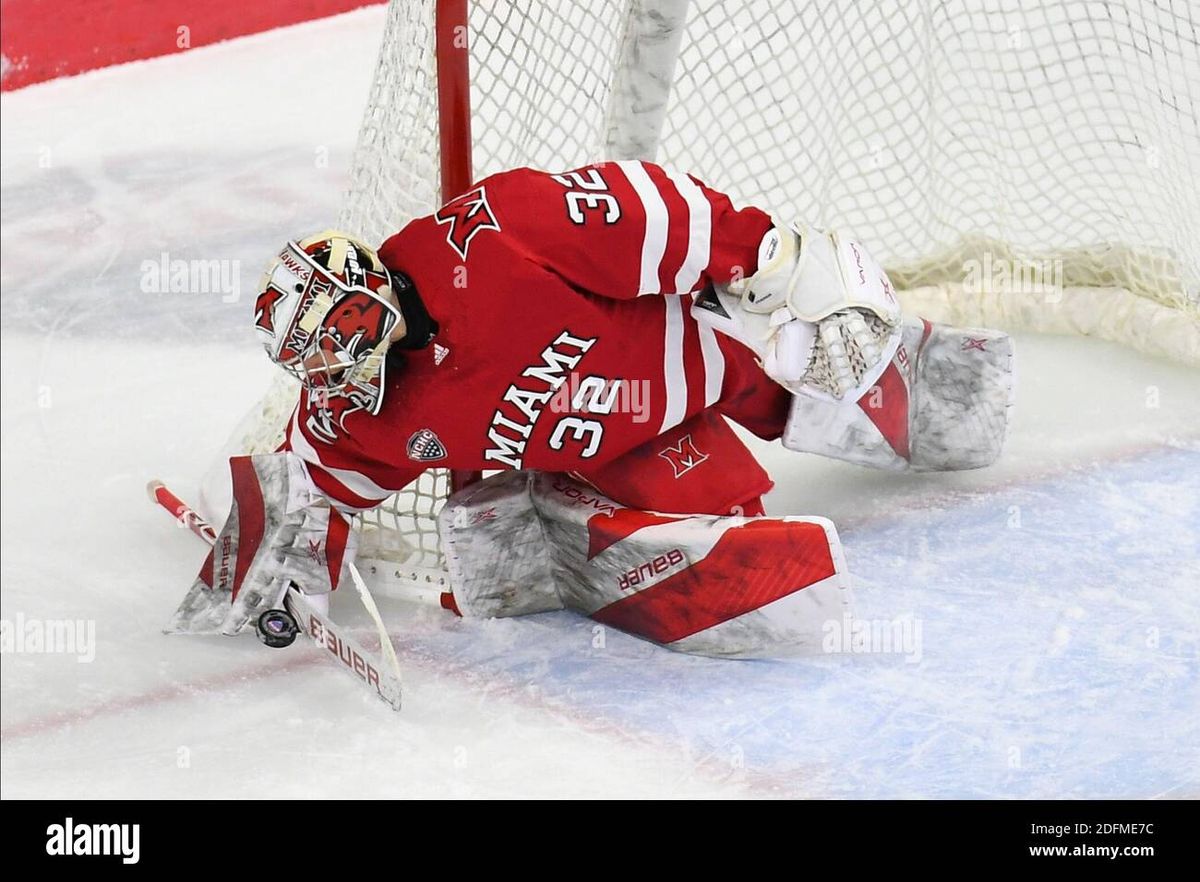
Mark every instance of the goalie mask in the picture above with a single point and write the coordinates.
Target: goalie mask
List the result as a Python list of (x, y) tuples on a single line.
[(325, 314)]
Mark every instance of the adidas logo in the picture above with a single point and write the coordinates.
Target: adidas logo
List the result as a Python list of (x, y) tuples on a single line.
[(439, 353)]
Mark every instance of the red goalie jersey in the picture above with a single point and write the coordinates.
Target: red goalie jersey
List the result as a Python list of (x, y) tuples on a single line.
[(566, 343)]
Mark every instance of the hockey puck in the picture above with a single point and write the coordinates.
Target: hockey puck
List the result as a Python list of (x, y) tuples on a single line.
[(277, 629)]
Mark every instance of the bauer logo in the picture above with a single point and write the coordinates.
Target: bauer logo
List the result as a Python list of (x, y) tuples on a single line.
[(639, 575), (425, 446), (69, 839), (344, 652)]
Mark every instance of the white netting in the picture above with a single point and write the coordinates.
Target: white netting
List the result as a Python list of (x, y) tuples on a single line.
[(1055, 143), (1036, 127)]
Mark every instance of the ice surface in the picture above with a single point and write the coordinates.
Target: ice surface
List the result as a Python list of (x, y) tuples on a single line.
[(1056, 593)]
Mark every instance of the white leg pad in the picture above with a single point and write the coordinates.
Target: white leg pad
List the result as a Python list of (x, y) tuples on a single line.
[(718, 586)]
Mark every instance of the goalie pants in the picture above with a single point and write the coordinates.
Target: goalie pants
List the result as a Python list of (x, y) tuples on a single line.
[(700, 466)]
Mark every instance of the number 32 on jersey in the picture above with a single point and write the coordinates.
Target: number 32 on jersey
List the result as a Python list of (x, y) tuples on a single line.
[(587, 193)]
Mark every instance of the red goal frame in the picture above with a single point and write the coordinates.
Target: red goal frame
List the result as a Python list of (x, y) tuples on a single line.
[(453, 58)]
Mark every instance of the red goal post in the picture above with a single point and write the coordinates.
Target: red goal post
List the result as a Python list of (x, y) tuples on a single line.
[(452, 39)]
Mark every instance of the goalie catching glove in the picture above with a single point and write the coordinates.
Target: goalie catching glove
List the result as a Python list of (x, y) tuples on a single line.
[(281, 530), (868, 386), (819, 312)]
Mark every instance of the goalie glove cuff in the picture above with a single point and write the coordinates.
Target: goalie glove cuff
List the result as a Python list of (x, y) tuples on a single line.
[(820, 313), (815, 274)]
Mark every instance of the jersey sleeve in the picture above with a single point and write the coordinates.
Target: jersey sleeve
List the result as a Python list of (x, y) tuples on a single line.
[(340, 468), (627, 229)]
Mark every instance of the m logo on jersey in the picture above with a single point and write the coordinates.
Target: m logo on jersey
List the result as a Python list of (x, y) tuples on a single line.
[(684, 456), (467, 215)]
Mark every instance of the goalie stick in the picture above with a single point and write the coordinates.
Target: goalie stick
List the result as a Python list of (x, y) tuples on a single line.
[(365, 666)]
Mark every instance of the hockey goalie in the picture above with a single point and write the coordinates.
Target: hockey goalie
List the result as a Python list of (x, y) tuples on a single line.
[(590, 336)]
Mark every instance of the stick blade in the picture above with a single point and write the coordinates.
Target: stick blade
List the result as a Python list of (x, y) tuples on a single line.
[(365, 666)]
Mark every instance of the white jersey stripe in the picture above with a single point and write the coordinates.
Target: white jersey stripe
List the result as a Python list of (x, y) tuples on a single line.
[(654, 243), (356, 482), (673, 372), (714, 363), (699, 233)]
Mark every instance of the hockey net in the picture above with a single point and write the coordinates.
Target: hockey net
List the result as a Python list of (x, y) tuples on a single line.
[(1025, 164)]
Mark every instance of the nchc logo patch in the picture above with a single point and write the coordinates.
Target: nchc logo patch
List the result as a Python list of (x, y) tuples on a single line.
[(467, 215), (425, 446), (684, 456)]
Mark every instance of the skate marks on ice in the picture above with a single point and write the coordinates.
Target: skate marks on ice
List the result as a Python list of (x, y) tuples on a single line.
[(1043, 644)]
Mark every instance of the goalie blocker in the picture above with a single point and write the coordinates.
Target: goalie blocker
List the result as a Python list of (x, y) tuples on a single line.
[(527, 542)]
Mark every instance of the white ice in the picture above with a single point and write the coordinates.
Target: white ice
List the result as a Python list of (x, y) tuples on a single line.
[(1056, 593)]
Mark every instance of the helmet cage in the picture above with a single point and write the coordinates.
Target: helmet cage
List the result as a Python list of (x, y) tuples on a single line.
[(330, 335)]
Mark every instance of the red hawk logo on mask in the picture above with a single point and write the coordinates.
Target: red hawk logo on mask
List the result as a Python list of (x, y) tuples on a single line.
[(467, 215), (356, 325)]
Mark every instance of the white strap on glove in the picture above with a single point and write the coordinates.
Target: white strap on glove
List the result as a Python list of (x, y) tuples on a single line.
[(820, 312)]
